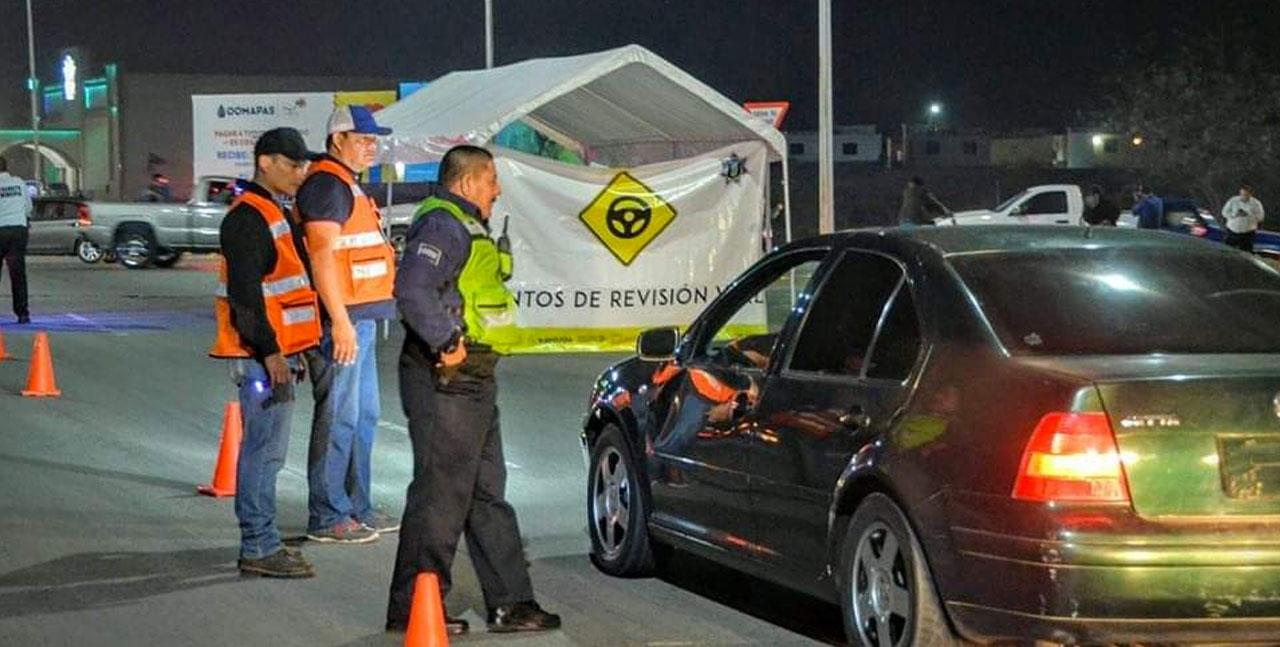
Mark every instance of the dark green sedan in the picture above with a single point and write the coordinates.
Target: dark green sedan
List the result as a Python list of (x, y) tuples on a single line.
[(966, 433)]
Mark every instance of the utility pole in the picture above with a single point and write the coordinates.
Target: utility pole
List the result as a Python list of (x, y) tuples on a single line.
[(488, 33), (33, 85), (826, 175)]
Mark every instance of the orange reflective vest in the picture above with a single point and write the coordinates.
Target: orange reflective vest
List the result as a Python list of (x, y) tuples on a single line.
[(291, 304), (366, 261)]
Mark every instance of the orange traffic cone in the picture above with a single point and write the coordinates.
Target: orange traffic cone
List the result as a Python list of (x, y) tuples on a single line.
[(3, 354), (224, 473), (426, 616), (40, 382)]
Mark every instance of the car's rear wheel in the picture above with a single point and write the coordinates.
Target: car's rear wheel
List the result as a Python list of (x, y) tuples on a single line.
[(886, 589), (135, 247), (87, 251), (617, 509)]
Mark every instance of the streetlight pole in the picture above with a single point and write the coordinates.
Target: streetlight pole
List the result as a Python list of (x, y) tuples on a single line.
[(34, 87), (488, 33), (826, 175)]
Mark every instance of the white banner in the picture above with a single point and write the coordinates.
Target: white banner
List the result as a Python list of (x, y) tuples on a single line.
[(600, 253), (225, 126)]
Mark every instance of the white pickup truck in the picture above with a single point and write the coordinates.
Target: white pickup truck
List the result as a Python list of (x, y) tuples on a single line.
[(1047, 204), (157, 233)]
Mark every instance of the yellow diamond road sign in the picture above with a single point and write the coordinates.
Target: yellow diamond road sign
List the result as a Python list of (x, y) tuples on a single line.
[(627, 216)]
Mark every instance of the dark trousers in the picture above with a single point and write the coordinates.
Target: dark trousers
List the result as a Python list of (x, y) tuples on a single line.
[(13, 252), (459, 483), (1240, 241)]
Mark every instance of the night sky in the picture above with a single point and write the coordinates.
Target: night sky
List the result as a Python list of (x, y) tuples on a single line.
[(993, 63)]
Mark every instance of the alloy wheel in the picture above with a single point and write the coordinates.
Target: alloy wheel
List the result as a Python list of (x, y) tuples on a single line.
[(881, 588), (88, 252), (611, 502)]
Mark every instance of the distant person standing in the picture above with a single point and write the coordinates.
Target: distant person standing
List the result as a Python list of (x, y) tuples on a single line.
[(919, 205), (1148, 208), (158, 190), (1243, 213), (15, 213), (1099, 209)]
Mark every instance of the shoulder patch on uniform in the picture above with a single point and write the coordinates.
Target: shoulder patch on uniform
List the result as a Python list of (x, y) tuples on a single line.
[(430, 252)]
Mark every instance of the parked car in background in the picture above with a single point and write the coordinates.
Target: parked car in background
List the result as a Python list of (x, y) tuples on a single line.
[(1202, 223), (1048, 204), (157, 233), (58, 227), (1065, 434)]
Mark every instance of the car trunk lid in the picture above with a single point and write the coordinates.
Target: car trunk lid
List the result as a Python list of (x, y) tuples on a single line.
[(1199, 435)]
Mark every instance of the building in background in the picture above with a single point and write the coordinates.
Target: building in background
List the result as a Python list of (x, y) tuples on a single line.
[(930, 146), (1096, 148), (1031, 149), (860, 143), (108, 135)]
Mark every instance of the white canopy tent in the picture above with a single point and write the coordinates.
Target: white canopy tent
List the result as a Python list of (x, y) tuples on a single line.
[(620, 107)]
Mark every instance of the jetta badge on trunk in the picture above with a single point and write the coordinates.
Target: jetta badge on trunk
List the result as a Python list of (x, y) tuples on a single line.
[(1154, 420)]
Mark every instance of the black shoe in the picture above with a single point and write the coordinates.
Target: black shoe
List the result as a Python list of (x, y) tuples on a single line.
[(24, 319), (522, 616), (282, 563), (453, 626)]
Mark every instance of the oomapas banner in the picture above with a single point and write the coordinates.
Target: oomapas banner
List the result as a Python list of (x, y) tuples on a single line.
[(602, 253)]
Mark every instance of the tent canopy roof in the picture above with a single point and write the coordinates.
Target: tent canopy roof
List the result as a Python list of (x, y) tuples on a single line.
[(613, 98)]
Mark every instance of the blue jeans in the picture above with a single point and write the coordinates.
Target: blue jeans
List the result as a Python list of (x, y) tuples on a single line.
[(342, 430), (262, 452)]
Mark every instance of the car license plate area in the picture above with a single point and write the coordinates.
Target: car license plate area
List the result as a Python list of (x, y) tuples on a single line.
[(1250, 466)]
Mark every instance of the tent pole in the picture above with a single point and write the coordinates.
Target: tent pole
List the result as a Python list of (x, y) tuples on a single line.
[(386, 233), (786, 193), (488, 34)]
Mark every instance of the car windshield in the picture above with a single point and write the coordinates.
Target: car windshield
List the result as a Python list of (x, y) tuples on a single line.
[(1122, 301), (1006, 203)]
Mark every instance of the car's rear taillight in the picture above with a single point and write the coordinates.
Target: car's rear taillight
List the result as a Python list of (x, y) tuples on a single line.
[(1072, 457), (83, 218)]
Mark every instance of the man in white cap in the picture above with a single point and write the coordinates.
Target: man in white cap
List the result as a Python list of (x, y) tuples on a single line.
[(353, 269)]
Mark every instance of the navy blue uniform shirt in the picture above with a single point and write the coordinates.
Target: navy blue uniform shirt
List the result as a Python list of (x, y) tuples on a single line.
[(436, 249)]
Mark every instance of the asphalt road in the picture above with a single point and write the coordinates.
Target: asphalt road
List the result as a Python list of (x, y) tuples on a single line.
[(103, 541)]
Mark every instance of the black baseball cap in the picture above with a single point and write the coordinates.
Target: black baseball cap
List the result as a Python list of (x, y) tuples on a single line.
[(284, 141)]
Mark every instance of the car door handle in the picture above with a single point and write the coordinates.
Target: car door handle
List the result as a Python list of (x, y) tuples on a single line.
[(855, 418), (1062, 222)]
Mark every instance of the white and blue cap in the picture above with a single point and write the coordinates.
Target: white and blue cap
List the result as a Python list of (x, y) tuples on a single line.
[(355, 119)]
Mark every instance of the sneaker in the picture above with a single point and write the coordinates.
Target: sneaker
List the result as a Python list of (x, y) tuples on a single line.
[(381, 522), (348, 531), (522, 616), (282, 563), (22, 320)]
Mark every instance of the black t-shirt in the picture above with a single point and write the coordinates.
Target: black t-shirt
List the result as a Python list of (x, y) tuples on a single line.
[(325, 197)]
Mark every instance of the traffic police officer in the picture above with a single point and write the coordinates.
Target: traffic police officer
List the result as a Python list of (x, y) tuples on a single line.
[(267, 315), (458, 317), (15, 213), (354, 270)]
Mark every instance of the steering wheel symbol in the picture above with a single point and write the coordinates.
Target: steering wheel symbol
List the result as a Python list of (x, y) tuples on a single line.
[(628, 217)]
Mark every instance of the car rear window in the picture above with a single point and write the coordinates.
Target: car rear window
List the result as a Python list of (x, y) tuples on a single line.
[(1120, 301)]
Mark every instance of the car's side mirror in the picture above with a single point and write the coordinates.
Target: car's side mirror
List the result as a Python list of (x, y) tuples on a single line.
[(1019, 210), (658, 344)]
